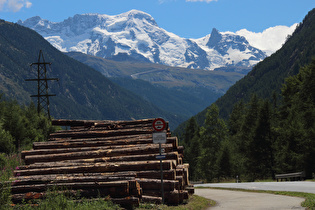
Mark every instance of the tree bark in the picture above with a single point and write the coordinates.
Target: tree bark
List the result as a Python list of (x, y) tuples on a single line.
[(95, 142), (149, 149), (100, 168), (80, 162), (115, 189), (155, 184)]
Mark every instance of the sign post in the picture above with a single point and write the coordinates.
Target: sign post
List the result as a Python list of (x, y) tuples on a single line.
[(159, 137)]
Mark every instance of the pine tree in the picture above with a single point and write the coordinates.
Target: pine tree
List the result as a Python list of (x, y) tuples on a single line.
[(192, 148), (261, 148), (296, 143), (224, 164), (246, 136), (212, 134)]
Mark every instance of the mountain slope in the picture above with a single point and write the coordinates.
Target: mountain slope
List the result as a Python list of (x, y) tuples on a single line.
[(268, 76), (177, 90), (82, 92), (218, 81), (136, 34)]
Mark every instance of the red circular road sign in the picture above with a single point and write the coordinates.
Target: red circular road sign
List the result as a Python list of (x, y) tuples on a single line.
[(159, 124)]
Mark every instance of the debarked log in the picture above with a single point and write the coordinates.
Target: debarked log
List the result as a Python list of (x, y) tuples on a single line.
[(95, 142), (107, 126), (151, 199), (134, 186), (100, 133), (65, 122), (182, 170), (100, 167), (155, 184), (190, 189), (128, 202), (174, 197), (17, 198), (154, 148), (66, 140), (48, 179), (92, 142), (81, 149), (80, 162), (167, 174), (89, 123), (120, 175), (114, 189)]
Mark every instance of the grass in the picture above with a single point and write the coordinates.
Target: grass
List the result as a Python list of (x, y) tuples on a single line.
[(7, 165), (58, 201), (194, 202), (61, 202)]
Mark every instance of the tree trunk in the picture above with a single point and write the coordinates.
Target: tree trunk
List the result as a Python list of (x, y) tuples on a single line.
[(96, 142), (80, 162), (100, 168), (148, 149)]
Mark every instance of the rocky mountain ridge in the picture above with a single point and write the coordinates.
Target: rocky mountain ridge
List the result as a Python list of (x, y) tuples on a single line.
[(135, 34)]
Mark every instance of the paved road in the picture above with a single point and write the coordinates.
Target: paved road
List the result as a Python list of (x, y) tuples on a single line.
[(246, 200), (236, 200), (297, 186)]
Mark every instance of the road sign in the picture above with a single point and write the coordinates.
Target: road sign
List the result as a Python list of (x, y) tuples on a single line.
[(159, 157), (159, 137), (159, 124)]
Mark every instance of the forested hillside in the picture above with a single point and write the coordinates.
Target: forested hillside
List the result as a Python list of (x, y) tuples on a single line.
[(260, 138), (265, 123), (82, 92), (267, 77)]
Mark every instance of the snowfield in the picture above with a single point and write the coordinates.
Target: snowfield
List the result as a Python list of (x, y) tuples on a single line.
[(136, 34)]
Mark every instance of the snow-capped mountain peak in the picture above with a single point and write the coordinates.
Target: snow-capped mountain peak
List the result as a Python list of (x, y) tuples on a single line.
[(136, 34)]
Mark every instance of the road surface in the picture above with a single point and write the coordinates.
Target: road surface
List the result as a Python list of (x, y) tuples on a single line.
[(298, 186), (227, 199), (237, 200)]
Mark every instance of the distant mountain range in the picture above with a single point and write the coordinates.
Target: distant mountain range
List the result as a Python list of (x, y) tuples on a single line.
[(136, 35)]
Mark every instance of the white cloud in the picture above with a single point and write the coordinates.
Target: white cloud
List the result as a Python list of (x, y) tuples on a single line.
[(28, 4), (208, 1), (14, 5), (270, 40), (2, 2)]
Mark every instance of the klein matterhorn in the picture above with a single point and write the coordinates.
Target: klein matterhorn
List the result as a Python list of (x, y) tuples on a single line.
[(136, 35)]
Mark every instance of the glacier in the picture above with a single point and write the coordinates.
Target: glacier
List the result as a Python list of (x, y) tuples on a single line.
[(136, 34)]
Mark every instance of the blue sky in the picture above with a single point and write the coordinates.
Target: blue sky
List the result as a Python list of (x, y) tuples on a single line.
[(186, 18)]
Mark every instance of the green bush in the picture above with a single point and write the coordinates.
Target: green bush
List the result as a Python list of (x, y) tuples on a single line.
[(20, 126), (6, 142)]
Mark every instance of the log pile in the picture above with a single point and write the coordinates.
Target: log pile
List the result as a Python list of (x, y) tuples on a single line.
[(115, 159)]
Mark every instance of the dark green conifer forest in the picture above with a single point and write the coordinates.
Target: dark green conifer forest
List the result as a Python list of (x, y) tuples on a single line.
[(260, 138)]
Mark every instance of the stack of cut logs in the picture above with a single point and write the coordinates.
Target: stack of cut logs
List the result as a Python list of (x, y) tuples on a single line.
[(112, 159)]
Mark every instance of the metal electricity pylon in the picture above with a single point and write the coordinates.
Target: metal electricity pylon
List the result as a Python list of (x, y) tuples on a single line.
[(42, 84)]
